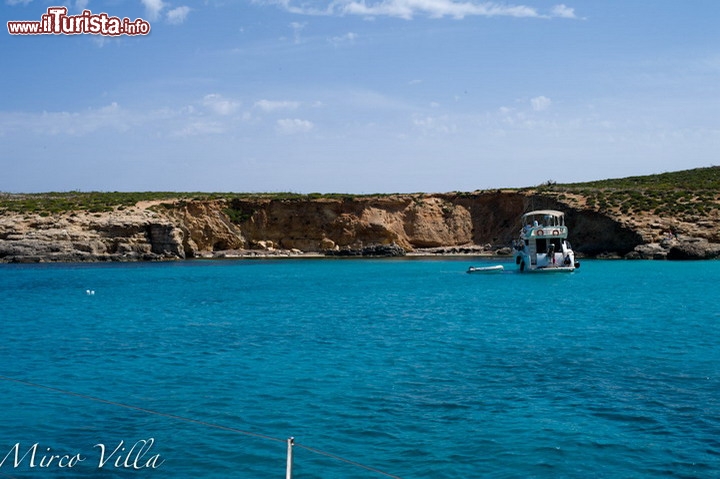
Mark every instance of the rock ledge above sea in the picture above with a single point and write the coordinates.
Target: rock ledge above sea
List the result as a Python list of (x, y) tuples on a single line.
[(680, 248), (478, 223)]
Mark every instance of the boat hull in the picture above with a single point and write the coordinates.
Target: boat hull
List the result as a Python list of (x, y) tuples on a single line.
[(522, 259), (557, 269)]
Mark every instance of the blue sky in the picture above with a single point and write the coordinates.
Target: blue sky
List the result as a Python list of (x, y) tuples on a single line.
[(359, 96)]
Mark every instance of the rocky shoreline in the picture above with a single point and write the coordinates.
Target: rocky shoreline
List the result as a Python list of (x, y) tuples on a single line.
[(478, 224)]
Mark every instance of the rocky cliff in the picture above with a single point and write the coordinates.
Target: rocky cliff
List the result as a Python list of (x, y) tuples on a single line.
[(469, 222)]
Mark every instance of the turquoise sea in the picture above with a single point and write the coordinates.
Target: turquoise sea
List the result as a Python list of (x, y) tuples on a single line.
[(404, 368)]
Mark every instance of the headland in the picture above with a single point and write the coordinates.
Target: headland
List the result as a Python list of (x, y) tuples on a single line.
[(667, 216)]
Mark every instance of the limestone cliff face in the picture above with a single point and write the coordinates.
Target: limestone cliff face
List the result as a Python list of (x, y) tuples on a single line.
[(129, 236), (186, 229), (202, 226), (146, 232), (322, 224)]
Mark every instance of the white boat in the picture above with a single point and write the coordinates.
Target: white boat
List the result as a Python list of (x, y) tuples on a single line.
[(543, 245), (498, 268)]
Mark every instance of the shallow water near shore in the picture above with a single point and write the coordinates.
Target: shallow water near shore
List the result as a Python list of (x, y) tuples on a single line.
[(408, 366)]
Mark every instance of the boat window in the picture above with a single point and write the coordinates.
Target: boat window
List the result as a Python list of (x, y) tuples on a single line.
[(541, 244)]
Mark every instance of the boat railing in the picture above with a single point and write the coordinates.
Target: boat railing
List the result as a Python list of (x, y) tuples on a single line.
[(290, 442), (545, 231)]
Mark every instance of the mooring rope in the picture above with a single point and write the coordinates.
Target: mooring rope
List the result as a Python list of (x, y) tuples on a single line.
[(191, 420), (141, 409)]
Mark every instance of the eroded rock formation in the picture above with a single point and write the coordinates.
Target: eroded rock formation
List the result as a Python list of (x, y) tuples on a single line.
[(482, 221)]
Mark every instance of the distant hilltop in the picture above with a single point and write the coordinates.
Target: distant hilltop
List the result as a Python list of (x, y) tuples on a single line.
[(670, 215)]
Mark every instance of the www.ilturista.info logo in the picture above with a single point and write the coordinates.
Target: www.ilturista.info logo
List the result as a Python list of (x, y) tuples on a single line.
[(57, 22)]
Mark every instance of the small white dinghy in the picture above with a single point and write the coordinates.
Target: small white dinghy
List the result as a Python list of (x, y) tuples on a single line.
[(498, 268)]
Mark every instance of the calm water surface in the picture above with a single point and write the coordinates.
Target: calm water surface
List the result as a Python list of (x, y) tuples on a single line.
[(410, 367)]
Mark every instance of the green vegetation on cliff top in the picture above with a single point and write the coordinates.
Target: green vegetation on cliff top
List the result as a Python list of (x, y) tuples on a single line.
[(93, 202), (684, 193), (687, 195), (98, 202)]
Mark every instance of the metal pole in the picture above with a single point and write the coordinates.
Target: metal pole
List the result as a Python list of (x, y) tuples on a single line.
[(288, 471)]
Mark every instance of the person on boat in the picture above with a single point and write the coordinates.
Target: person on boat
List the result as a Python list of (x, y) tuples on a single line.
[(551, 254)]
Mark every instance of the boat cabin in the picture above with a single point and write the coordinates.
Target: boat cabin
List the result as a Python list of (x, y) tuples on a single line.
[(543, 241)]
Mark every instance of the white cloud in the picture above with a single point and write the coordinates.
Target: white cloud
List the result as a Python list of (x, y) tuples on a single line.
[(17, 2), (153, 8), (200, 128), (270, 106), (297, 28), (304, 9), (77, 123), (348, 38), (176, 16), (435, 124), (540, 103), (220, 105), (436, 9), (563, 11), (411, 136), (407, 9), (294, 125)]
